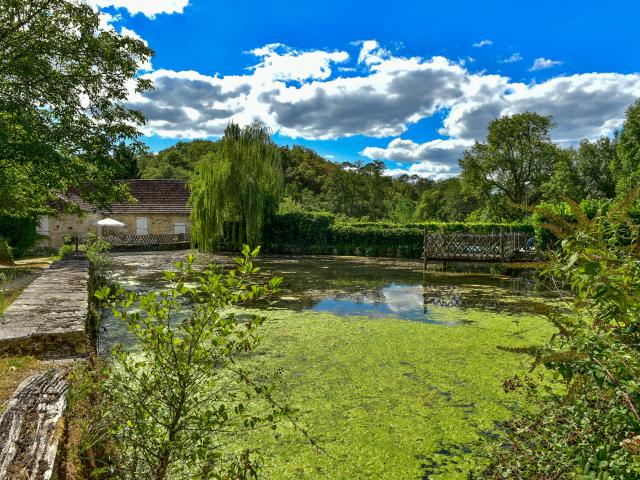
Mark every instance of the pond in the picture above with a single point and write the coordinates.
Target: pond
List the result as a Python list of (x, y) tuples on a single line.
[(394, 371)]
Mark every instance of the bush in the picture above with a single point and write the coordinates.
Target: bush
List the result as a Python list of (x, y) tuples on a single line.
[(583, 420), (6, 255), (20, 233), (177, 405)]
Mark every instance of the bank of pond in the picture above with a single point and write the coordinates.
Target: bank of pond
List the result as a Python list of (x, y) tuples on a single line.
[(395, 373)]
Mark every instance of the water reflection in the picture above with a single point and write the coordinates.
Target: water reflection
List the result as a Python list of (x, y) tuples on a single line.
[(355, 286)]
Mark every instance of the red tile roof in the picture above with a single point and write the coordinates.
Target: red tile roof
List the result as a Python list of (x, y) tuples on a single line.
[(152, 196), (156, 196)]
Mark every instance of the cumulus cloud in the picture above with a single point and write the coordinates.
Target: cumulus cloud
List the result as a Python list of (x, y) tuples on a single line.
[(435, 159), (516, 57), (149, 8), (144, 66), (542, 63), (483, 43), (582, 105), (304, 94), (278, 62)]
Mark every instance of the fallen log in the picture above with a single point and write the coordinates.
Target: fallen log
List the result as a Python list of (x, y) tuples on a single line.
[(29, 427)]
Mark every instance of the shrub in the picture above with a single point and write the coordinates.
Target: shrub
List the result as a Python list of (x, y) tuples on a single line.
[(20, 233), (583, 420), (176, 405), (6, 255)]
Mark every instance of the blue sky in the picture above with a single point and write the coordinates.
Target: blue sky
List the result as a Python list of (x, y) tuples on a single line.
[(409, 83)]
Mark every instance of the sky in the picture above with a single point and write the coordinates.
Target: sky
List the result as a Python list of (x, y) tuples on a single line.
[(411, 83)]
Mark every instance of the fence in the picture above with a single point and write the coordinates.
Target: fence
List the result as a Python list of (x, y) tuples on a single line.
[(144, 240), (474, 247)]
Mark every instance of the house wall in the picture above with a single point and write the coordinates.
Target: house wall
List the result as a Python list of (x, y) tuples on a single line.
[(157, 224), (64, 225)]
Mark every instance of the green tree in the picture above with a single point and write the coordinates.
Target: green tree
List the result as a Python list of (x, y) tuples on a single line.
[(63, 87), (127, 161), (594, 164), (445, 201), (176, 162), (627, 166), (239, 185), (516, 162), (177, 408)]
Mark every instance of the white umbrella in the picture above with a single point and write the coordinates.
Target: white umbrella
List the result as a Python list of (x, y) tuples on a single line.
[(110, 222)]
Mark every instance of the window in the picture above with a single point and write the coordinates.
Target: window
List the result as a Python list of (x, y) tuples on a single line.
[(43, 225), (141, 226), (179, 228)]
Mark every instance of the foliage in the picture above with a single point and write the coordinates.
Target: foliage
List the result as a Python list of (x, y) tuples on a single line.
[(127, 161), (3, 280), (179, 403), (318, 232), (176, 162), (585, 420), (517, 160), (240, 184), (6, 254), (20, 233), (627, 168), (594, 164), (95, 248), (445, 201), (63, 86)]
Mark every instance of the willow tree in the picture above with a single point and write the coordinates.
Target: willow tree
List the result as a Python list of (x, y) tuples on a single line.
[(235, 188)]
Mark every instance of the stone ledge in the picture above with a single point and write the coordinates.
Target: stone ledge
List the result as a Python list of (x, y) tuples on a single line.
[(49, 318)]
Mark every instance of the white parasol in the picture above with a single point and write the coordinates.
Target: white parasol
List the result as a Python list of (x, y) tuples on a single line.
[(109, 222)]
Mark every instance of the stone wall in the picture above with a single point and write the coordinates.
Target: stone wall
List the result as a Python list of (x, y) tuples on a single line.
[(157, 224), (49, 318), (65, 224)]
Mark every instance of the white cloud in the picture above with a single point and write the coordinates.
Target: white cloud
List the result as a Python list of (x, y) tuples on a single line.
[(149, 8), (282, 63), (372, 53), (435, 159), (516, 57), (303, 94), (483, 43), (542, 63)]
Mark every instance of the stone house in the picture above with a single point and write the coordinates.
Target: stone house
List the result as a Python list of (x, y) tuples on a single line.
[(160, 209)]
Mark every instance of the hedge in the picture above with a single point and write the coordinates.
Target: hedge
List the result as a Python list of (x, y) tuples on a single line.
[(310, 232)]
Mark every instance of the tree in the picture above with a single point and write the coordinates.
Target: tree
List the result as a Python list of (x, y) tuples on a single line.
[(445, 201), (63, 87), (127, 161), (594, 168), (176, 162), (239, 185), (627, 166), (516, 161)]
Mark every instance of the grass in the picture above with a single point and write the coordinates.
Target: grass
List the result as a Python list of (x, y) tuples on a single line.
[(14, 369), (388, 398)]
